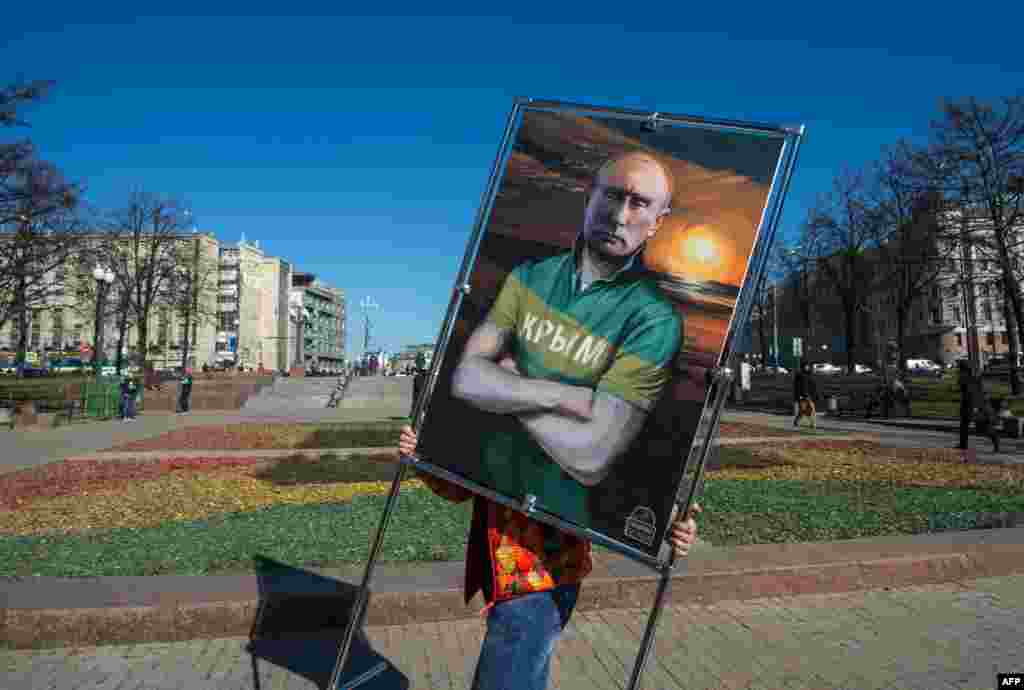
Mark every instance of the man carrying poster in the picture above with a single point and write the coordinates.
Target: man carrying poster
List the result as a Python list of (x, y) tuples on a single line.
[(533, 583), (576, 347)]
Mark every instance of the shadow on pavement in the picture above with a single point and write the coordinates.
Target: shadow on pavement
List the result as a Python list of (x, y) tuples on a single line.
[(300, 625)]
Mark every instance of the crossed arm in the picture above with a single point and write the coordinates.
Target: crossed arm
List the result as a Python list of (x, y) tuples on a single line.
[(581, 429)]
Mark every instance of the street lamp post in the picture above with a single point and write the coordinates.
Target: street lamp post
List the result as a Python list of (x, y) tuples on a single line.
[(104, 278), (775, 322)]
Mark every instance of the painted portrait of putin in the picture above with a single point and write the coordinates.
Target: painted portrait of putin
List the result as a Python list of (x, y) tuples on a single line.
[(577, 348)]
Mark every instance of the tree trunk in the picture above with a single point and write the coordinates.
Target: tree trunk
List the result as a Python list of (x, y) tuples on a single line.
[(143, 341), (22, 317), (122, 332), (1013, 331), (188, 339), (851, 318), (762, 334), (901, 320)]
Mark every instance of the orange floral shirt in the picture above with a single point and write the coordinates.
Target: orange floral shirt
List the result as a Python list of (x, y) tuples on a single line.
[(529, 556), (509, 554)]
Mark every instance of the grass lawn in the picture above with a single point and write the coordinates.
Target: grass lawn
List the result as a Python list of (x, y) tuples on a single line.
[(942, 398), (218, 515)]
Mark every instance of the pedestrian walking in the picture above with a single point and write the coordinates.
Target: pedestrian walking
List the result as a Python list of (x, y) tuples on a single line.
[(972, 399), (129, 390), (805, 392), (185, 391), (746, 370), (899, 394)]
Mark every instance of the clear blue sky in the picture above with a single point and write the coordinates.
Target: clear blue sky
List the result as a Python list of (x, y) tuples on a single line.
[(358, 147)]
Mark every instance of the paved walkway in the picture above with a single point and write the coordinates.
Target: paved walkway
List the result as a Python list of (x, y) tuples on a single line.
[(956, 635), (889, 434), (290, 400)]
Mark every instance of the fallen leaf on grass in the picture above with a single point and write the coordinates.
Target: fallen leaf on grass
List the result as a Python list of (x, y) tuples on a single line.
[(176, 497), (70, 477), (230, 437), (740, 429), (867, 462)]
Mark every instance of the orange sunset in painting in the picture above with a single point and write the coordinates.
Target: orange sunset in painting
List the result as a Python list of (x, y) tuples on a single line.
[(699, 255)]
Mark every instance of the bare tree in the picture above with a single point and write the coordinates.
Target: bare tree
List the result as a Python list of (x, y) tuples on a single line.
[(977, 160), (38, 226), (190, 294), (839, 233), (101, 250), (913, 245), (35, 246), (144, 239), (762, 314)]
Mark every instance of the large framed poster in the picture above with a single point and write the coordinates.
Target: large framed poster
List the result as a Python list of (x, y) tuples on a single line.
[(613, 261)]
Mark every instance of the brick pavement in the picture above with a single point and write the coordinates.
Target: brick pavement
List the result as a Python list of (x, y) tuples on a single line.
[(956, 635)]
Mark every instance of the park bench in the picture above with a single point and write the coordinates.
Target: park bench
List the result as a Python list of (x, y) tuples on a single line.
[(867, 403)]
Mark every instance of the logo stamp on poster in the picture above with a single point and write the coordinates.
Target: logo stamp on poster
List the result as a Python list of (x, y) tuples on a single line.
[(640, 525)]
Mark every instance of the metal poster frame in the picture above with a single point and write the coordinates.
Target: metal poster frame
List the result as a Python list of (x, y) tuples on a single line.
[(703, 444)]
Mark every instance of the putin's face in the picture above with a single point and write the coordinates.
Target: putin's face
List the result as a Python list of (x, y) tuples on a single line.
[(625, 207)]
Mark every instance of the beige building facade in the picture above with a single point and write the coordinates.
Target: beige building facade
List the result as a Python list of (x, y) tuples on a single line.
[(241, 316), (63, 324), (252, 318)]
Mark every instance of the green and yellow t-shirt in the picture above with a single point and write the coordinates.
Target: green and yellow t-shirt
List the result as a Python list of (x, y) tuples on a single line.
[(617, 336)]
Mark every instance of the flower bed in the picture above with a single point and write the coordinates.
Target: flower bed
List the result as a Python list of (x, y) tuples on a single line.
[(216, 514)]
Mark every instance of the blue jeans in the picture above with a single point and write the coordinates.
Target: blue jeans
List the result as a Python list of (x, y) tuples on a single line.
[(521, 635)]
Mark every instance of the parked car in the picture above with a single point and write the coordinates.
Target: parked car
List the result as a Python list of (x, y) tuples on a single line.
[(826, 368), (862, 369), (34, 371), (68, 366), (923, 367)]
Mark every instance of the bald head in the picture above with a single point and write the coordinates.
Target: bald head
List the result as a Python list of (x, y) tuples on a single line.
[(627, 202), (646, 165)]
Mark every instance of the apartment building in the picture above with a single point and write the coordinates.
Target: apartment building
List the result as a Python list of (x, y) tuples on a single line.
[(964, 301), (323, 331), (252, 310), (63, 324)]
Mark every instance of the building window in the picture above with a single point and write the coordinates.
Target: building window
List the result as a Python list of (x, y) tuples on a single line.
[(163, 330), (37, 328), (959, 340), (58, 328), (991, 338), (1006, 339), (956, 315), (988, 311)]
